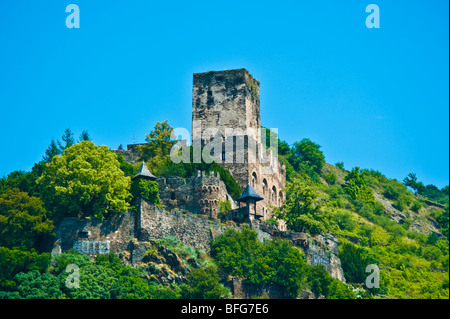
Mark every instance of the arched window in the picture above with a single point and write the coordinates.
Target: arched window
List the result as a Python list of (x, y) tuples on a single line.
[(274, 193), (254, 180), (280, 198), (264, 187)]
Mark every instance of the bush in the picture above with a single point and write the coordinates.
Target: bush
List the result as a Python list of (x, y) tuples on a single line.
[(146, 189), (330, 178), (203, 284)]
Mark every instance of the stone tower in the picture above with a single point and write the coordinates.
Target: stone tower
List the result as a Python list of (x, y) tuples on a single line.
[(225, 107)]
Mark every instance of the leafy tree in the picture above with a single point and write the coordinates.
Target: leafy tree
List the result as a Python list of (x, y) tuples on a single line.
[(14, 261), (300, 210), (203, 284), (24, 181), (146, 189), (22, 220), (34, 285), (156, 151), (85, 180), (309, 153)]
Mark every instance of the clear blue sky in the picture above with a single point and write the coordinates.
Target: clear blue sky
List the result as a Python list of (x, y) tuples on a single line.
[(374, 98)]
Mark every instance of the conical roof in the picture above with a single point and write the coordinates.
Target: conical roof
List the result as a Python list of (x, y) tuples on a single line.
[(249, 193), (144, 173)]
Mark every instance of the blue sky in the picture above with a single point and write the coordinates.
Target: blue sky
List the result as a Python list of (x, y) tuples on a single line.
[(374, 98)]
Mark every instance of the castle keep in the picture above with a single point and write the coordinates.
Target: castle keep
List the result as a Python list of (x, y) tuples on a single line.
[(225, 105)]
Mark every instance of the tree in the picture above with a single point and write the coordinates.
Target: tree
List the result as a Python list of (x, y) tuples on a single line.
[(340, 165), (23, 220), (146, 189), (156, 152), (411, 181), (84, 136), (354, 261), (357, 188), (86, 180), (52, 150), (309, 153), (300, 210), (203, 284), (68, 140)]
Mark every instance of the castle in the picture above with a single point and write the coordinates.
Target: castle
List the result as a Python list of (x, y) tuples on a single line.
[(225, 108), (221, 101)]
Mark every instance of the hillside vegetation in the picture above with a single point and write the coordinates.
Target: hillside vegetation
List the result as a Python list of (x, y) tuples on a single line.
[(400, 226)]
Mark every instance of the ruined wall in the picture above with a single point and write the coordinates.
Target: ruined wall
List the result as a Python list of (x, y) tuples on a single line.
[(190, 229), (200, 195), (93, 236)]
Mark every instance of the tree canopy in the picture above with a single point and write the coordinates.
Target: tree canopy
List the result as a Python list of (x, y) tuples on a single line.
[(85, 180)]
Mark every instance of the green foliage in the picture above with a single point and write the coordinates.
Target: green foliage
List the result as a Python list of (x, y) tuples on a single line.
[(36, 285), (156, 151), (275, 262), (354, 261), (224, 206), (309, 153), (14, 261), (203, 284), (51, 151), (356, 187), (300, 210), (339, 165), (330, 178), (146, 189), (68, 140), (128, 169), (443, 221), (84, 136), (322, 284), (85, 180), (23, 220), (239, 253)]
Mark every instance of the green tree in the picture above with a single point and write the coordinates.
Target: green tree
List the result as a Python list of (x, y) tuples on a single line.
[(14, 261), (300, 210), (357, 188), (23, 220), (203, 284), (52, 150), (308, 153), (68, 140), (156, 152), (146, 189), (86, 180), (340, 165), (84, 136), (34, 285)]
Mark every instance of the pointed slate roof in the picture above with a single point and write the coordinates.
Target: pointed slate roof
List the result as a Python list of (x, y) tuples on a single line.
[(144, 173), (249, 193)]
